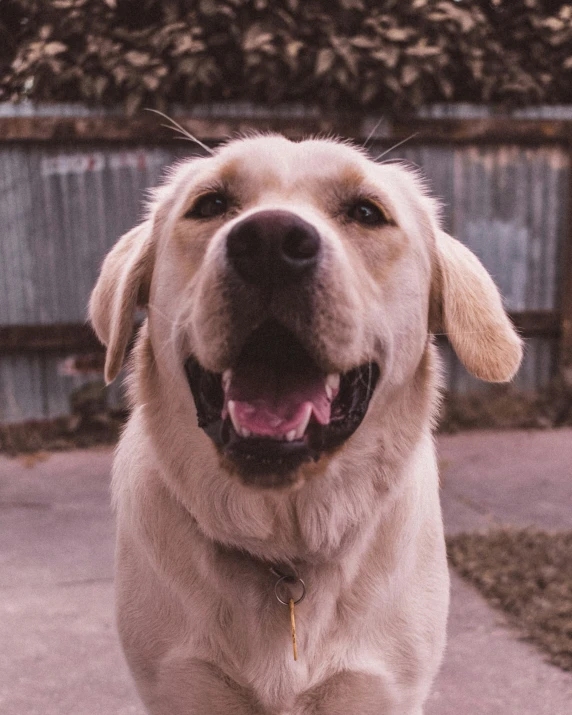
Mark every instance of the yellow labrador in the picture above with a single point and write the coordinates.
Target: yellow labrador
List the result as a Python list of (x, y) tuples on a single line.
[(284, 387)]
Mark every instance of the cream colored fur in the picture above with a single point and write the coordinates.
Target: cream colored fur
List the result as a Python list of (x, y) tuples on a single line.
[(201, 629)]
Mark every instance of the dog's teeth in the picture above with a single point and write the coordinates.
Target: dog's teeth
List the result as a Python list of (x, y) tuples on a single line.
[(226, 378), (291, 435), (304, 423), (231, 407), (332, 385), (242, 431), (333, 381)]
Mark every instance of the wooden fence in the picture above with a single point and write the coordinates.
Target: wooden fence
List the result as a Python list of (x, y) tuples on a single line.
[(543, 315)]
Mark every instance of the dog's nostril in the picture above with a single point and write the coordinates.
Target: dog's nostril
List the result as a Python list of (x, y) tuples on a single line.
[(300, 244), (273, 248)]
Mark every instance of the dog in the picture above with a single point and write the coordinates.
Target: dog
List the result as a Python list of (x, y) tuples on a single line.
[(278, 471)]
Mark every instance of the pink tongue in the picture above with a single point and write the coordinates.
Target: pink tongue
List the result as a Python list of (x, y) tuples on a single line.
[(271, 403)]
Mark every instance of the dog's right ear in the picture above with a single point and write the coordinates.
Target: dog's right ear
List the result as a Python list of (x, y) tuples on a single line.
[(123, 284)]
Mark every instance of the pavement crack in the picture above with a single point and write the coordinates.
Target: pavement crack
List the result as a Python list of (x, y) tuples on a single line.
[(84, 581), (473, 504), (24, 505)]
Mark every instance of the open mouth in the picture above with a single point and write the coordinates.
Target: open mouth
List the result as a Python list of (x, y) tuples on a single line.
[(275, 408)]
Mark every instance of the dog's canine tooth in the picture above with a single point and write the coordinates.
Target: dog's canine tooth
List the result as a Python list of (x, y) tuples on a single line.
[(304, 423), (231, 407), (333, 381), (226, 379), (291, 435), (245, 432)]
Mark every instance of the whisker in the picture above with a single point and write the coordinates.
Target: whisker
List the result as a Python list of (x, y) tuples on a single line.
[(373, 131), (174, 324), (463, 332), (391, 148), (150, 306), (175, 126)]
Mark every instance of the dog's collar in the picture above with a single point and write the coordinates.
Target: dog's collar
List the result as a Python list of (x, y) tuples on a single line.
[(290, 582)]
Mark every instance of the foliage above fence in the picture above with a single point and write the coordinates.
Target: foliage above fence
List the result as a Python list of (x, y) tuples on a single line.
[(390, 54)]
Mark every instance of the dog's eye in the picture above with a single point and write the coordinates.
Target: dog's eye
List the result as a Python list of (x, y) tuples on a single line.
[(367, 213), (208, 206)]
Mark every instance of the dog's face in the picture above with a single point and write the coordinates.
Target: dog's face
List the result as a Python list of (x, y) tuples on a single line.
[(297, 285), (288, 286)]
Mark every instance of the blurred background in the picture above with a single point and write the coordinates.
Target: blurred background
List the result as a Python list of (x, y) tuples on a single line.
[(477, 94)]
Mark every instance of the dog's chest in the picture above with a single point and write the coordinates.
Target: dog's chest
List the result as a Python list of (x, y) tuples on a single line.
[(256, 638)]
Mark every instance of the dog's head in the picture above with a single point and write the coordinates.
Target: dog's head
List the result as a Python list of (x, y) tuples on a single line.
[(288, 285)]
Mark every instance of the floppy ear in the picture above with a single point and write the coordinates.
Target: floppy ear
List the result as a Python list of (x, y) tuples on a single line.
[(467, 306), (123, 284)]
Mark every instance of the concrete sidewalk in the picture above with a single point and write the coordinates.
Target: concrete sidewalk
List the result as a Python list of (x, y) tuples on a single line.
[(60, 654), (493, 479)]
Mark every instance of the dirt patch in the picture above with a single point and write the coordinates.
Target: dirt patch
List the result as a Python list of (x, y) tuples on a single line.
[(60, 433), (527, 573), (90, 423), (503, 407)]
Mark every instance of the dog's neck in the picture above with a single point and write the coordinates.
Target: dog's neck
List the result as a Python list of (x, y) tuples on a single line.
[(274, 580), (270, 571)]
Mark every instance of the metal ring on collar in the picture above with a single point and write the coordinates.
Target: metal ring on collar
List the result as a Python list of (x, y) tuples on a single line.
[(291, 579)]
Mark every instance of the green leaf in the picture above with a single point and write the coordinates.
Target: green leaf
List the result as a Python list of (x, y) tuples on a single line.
[(138, 59), (255, 38), (324, 61), (54, 48), (398, 34), (408, 75)]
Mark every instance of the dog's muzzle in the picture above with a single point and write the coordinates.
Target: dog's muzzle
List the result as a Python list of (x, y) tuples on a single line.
[(275, 408)]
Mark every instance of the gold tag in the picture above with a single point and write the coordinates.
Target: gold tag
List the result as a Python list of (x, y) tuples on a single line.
[(290, 603), (293, 628)]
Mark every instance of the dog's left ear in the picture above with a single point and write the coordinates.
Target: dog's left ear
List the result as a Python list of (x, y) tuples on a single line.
[(123, 284), (466, 305)]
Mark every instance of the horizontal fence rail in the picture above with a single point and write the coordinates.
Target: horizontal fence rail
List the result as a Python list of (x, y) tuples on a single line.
[(149, 131), (80, 338)]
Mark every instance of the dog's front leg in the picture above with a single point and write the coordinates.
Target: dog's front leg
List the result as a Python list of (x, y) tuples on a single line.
[(193, 687), (357, 693)]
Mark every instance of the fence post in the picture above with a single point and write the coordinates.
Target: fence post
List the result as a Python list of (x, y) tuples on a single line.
[(565, 356)]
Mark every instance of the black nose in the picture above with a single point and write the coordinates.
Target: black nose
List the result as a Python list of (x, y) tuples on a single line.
[(273, 248)]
